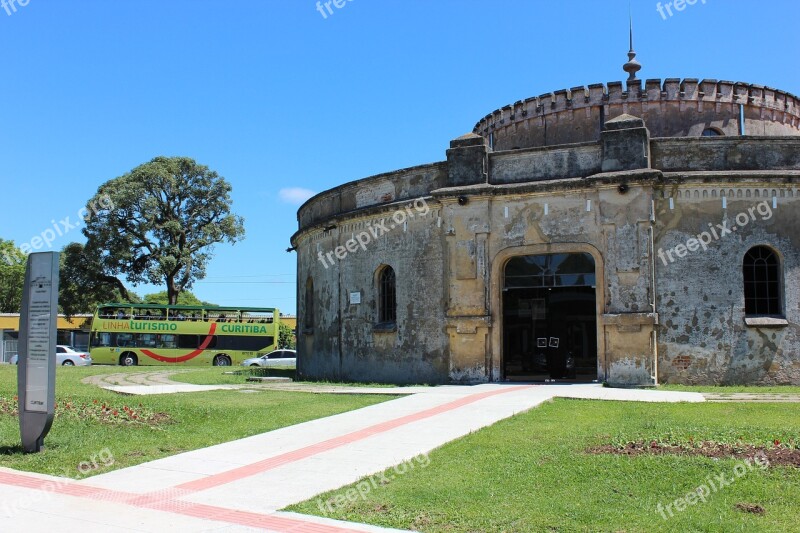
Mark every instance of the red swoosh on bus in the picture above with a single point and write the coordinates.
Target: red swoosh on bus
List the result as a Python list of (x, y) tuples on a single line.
[(188, 356)]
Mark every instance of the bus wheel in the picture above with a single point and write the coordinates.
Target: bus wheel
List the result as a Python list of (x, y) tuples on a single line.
[(128, 359), (222, 360)]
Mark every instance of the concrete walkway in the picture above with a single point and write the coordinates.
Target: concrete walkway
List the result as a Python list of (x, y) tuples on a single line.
[(148, 382), (763, 397), (241, 485)]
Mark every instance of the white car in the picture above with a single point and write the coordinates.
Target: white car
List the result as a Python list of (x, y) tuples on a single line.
[(282, 357), (65, 356)]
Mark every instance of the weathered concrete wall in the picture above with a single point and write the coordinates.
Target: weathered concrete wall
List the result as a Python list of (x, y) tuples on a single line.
[(721, 153), (672, 108), (703, 337), (346, 341), (535, 164), (405, 184)]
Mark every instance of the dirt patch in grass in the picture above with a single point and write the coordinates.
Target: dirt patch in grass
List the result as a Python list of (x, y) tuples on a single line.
[(750, 508), (777, 455), (97, 411)]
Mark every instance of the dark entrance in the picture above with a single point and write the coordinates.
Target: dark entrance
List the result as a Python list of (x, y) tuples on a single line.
[(550, 318)]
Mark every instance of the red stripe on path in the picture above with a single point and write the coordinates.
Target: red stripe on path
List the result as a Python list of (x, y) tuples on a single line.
[(194, 510), (331, 444), (168, 500)]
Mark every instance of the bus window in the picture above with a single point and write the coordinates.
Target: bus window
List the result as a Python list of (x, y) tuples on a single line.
[(101, 339), (146, 340), (125, 340), (187, 341), (251, 344), (167, 341)]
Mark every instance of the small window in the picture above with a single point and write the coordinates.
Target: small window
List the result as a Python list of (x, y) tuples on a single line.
[(101, 339), (308, 317), (762, 283), (167, 341), (712, 132), (125, 340), (147, 340), (188, 342), (387, 296)]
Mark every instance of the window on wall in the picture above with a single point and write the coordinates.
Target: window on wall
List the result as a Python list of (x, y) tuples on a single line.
[(387, 296), (308, 318), (712, 132), (762, 282)]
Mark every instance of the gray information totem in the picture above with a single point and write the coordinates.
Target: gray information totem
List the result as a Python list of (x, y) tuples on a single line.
[(36, 372)]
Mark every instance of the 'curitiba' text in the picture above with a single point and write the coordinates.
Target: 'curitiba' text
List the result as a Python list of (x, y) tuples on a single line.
[(237, 328)]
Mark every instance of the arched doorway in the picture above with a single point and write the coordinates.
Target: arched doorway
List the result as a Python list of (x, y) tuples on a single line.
[(550, 318)]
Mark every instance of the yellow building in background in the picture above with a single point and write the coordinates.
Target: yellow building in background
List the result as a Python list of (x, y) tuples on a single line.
[(72, 332), (290, 320)]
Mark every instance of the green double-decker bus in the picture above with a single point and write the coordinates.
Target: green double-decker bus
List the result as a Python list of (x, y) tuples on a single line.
[(145, 334)]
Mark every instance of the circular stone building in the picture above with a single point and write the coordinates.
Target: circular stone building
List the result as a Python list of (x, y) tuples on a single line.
[(630, 233)]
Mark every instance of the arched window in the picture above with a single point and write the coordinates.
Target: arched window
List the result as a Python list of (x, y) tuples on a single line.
[(762, 282), (308, 318), (712, 132), (387, 296)]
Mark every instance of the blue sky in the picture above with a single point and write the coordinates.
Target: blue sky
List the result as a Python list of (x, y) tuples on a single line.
[(273, 96)]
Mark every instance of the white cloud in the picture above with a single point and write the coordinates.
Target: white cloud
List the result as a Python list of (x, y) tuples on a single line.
[(295, 195)]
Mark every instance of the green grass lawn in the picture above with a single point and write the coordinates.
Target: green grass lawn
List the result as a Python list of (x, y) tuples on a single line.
[(731, 389), (532, 473), (92, 423)]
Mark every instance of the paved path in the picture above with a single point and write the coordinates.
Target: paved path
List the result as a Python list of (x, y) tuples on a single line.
[(240, 485), (160, 382), (149, 382), (751, 397)]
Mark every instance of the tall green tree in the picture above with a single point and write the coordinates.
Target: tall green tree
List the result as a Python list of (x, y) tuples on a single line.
[(184, 298), (12, 277), (286, 337), (83, 283), (159, 223)]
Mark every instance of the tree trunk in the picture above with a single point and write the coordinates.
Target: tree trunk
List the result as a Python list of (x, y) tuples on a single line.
[(172, 292)]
